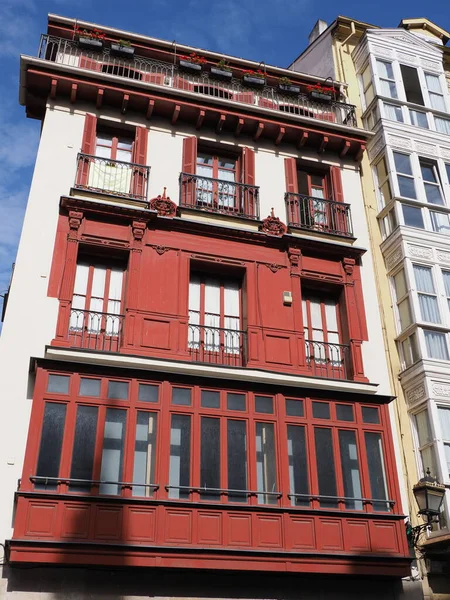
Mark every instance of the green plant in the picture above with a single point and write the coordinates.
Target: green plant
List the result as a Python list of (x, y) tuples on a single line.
[(223, 65), (285, 81), (124, 43)]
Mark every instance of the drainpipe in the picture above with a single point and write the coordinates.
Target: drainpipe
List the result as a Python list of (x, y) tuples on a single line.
[(341, 61)]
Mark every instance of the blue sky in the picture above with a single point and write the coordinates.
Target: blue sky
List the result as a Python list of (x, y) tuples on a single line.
[(273, 31)]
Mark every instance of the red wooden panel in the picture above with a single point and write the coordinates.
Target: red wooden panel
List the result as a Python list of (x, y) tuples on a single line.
[(301, 533), (156, 333), (41, 519), (141, 524), (75, 521), (290, 171), (239, 529), (330, 534), (384, 537), (278, 349), (209, 528), (336, 182), (107, 522), (268, 531), (357, 535), (178, 527)]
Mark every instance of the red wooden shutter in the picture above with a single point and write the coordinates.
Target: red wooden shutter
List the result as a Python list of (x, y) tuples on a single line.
[(336, 184), (250, 199), (290, 172), (139, 185), (189, 184), (87, 147)]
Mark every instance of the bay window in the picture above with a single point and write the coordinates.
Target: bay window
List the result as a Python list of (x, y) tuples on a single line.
[(388, 87), (435, 93), (425, 442), (405, 177), (431, 182), (442, 125), (402, 299), (428, 303), (436, 344)]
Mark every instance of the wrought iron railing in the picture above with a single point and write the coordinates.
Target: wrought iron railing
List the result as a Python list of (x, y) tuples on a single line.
[(113, 177), (68, 52), (220, 196), (217, 345), (328, 360), (318, 214), (95, 330)]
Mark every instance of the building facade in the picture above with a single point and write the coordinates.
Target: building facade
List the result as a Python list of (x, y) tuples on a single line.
[(398, 79), (201, 387)]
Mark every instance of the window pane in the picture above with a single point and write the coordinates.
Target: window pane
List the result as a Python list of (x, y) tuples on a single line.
[(433, 193), (326, 471), (404, 311), (58, 384), (377, 475), (424, 279), (344, 412), (444, 418), (180, 456), (442, 125), (118, 390), (112, 454), (210, 399), (393, 112), (89, 387), (429, 308), (440, 222), (181, 396), (148, 393), (370, 414), (51, 443), (423, 428), (412, 216), (265, 463), (400, 284), (294, 408), (406, 186), (298, 464), (264, 404), (433, 83), (321, 410), (236, 401), (402, 163), (84, 446), (237, 459), (144, 453), (447, 458), (210, 457), (411, 84), (385, 69), (418, 118), (437, 101), (436, 345), (428, 459), (446, 276), (350, 469)]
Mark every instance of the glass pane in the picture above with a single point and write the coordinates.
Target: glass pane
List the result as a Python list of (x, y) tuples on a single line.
[(112, 453), (370, 414), (326, 472), (404, 311), (412, 216), (51, 443), (440, 222), (181, 396), (210, 399), (433, 193), (444, 418), (180, 456), (442, 125), (436, 345), (411, 84), (446, 276), (400, 284), (294, 408), (298, 465), (406, 186), (144, 454), (424, 279), (236, 402), (210, 457), (344, 412), (118, 390), (385, 69), (428, 459), (265, 463), (237, 459), (388, 88), (418, 118), (437, 101), (393, 112), (377, 475), (433, 83), (264, 404), (58, 384), (350, 469), (321, 410), (402, 163), (90, 387), (447, 458), (423, 428), (148, 392), (429, 308), (84, 446)]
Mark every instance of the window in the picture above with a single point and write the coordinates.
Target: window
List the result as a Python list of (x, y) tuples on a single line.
[(409, 350), (387, 80), (215, 329), (418, 118), (49, 458), (403, 305), (440, 222), (446, 277), (411, 84), (221, 193), (366, 80), (111, 170), (431, 181), (434, 91), (428, 303), (393, 112), (404, 175), (389, 223), (436, 343), (442, 125), (444, 420), (384, 186), (425, 442), (412, 216), (114, 147)]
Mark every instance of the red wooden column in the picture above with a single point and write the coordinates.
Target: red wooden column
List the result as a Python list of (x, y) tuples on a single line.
[(295, 259), (138, 229)]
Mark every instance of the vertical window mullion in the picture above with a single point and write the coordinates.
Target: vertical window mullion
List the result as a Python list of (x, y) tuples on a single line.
[(99, 446), (338, 467)]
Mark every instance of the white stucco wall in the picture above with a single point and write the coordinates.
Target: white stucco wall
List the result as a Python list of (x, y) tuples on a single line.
[(317, 58)]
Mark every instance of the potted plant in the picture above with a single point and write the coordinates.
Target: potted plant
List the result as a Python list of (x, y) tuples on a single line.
[(122, 48), (222, 70), (286, 85), (92, 40), (254, 78), (193, 62), (321, 92)]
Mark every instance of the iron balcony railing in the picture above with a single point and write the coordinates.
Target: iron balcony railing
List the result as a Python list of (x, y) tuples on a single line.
[(318, 214), (113, 177), (328, 360), (217, 345), (68, 52), (219, 196), (95, 330)]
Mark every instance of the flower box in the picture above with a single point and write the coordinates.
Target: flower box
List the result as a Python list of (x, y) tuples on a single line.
[(119, 50), (252, 80), (90, 43), (187, 65), (221, 73), (288, 88), (322, 96)]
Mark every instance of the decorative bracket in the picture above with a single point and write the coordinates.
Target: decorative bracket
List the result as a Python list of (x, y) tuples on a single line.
[(273, 225), (163, 205), (138, 228), (294, 255), (75, 218)]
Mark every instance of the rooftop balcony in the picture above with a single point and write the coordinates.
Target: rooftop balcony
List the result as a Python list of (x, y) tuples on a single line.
[(167, 75)]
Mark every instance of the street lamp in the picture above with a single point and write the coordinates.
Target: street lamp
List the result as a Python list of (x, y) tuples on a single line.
[(429, 494)]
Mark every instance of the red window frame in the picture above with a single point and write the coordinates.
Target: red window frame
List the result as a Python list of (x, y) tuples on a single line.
[(115, 141)]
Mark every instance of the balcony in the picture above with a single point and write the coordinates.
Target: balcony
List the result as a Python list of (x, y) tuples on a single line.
[(318, 214), (147, 70), (219, 196), (95, 330), (217, 345), (327, 360), (112, 177)]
